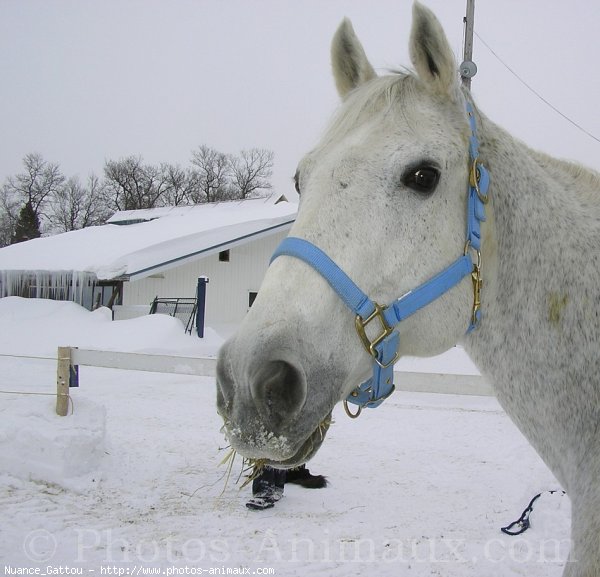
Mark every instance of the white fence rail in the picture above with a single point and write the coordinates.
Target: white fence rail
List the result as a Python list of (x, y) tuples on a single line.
[(71, 358), (203, 367)]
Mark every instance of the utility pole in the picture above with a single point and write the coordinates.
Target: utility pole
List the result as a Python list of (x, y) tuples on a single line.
[(468, 68)]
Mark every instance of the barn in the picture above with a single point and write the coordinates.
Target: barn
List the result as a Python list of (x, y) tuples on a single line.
[(140, 255)]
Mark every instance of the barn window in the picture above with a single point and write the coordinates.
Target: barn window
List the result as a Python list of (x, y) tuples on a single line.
[(251, 297), (224, 256)]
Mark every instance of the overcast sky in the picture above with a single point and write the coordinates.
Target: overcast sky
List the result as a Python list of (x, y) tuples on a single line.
[(84, 81)]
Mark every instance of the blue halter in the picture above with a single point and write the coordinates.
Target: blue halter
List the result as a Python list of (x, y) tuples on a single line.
[(384, 348)]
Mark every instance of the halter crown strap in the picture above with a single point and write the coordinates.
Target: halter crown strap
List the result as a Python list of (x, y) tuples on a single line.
[(479, 181)]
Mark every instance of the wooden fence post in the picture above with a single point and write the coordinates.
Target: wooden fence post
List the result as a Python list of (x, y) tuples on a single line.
[(62, 381)]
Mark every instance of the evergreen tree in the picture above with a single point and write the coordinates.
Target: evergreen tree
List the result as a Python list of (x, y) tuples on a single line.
[(28, 225)]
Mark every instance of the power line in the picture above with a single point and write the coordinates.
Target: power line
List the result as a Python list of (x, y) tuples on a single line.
[(534, 91)]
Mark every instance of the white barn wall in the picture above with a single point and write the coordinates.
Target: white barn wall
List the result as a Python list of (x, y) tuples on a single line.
[(229, 282)]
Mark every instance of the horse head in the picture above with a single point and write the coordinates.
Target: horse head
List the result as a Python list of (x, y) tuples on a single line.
[(384, 195)]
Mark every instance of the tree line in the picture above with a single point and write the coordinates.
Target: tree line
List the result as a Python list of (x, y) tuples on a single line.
[(41, 200)]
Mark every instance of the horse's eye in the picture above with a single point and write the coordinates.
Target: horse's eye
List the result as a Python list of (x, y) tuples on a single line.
[(423, 179), (297, 182)]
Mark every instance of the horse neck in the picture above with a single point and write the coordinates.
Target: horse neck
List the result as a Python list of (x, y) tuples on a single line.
[(544, 215), (541, 269)]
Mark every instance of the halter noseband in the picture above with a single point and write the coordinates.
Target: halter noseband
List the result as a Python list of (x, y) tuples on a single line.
[(384, 347)]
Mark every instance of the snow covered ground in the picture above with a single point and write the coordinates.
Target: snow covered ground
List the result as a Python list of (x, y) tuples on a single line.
[(132, 480)]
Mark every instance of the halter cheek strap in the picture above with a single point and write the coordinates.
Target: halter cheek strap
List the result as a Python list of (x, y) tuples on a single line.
[(384, 347)]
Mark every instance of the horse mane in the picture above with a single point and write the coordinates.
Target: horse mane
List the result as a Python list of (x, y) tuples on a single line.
[(585, 181)]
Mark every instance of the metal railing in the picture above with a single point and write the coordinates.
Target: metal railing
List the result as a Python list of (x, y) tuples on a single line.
[(179, 307)]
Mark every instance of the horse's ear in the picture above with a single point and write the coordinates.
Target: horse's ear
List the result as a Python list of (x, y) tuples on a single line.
[(430, 51), (350, 65)]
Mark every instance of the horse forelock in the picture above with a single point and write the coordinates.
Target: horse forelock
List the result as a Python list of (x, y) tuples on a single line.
[(381, 93), (397, 93)]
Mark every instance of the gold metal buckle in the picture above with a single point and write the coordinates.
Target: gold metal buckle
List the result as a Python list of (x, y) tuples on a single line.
[(370, 345), (477, 282), (474, 177)]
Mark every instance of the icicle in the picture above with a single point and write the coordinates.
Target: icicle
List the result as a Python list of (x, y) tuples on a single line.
[(70, 285)]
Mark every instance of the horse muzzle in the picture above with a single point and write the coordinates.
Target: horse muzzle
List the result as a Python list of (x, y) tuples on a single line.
[(265, 411)]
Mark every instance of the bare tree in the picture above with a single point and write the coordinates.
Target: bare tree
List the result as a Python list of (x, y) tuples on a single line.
[(251, 172), (95, 210), (181, 184), (35, 185), (67, 204), (76, 206), (212, 170), (157, 185), (132, 185)]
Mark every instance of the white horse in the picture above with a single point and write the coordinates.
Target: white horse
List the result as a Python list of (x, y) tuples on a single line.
[(384, 195)]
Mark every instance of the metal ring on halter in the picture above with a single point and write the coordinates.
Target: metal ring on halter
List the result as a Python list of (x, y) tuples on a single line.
[(474, 176), (469, 248), (349, 412)]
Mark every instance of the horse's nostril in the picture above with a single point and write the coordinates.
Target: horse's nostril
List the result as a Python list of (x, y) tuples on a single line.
[(279, 391)]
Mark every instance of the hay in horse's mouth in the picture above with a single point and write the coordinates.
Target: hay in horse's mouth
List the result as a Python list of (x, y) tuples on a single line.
[(306, 451), (308, 448)]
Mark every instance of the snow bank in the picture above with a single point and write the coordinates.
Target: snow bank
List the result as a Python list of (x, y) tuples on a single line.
[(35, 443), (40, 326), (38, 445)]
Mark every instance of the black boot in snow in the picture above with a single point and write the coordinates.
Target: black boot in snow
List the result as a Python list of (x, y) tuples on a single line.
[(302, 476), (267, 489)]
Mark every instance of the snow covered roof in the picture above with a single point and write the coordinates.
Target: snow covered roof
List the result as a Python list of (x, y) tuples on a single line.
[(159, 239)]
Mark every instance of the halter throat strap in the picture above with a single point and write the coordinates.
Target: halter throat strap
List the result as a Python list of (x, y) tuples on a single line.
[(384, 347)]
